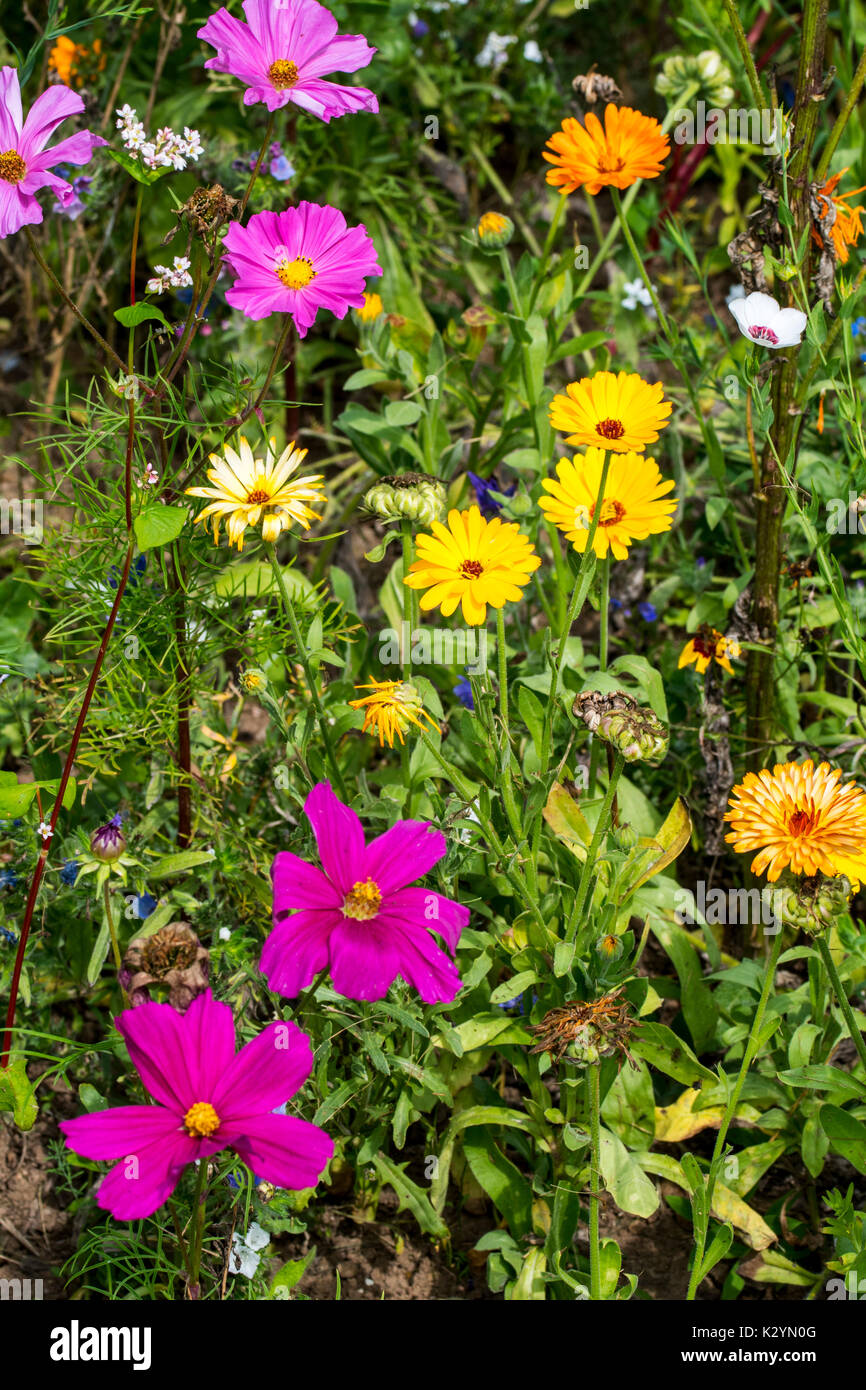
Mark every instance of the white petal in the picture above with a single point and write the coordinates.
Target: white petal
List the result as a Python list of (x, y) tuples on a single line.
[(761, 308), (789, 327)]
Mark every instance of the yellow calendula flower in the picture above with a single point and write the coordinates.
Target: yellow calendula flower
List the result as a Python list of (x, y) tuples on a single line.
[(799, 817), (709, 645), (629, 146), (371, 308), (634, 504), (472, 562), (247, 490), (617, 412), (392, 707)]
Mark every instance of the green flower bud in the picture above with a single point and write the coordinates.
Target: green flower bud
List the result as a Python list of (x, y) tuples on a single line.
[(626, 836), (493, 231), (682, 72), (253, 681), (813, 904), (634, 730), (408, 497), (609, 946)]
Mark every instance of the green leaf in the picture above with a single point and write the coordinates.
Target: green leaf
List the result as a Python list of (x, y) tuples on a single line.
[(661, 1047), (16, 1093), (504, 1184), (377, 554), (291, 1274), (16, 797), (846, 1134), (135, 314), (698, 1007), (254, 578), (135, 168), (411, 1197), (818, 1077), (624, 1178), (403, 413), (510, 988), (158, 525), (179, 863)]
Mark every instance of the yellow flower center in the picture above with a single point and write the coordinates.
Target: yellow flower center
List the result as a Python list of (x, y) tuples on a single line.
[(201, 1120), (12, 167), (363, 901), (258, 497), (283, 73), (472, 569), (610, 429), (296, 274), (611, 512)]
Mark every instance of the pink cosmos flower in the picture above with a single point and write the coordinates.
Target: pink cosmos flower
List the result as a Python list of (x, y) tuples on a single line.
[(282, 52), (359, 917), (297, 262), (24, 161), (208, 1098)]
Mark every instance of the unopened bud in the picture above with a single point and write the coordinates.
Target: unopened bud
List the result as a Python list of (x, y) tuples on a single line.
[(409, 497), (108, 842)]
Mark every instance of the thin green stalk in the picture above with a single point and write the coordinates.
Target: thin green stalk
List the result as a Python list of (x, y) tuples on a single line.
[(752, 1046), (854, 1031), (594, 845), (112, 930), (199, 1206), (745, 54), (594, 1087), (301, 650), (548, 247), (604, 618), (505, 766), (842, 119)]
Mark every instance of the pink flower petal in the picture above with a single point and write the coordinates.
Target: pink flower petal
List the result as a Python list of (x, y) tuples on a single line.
[(265, 1073), (299, 884), (421, 907), (364, 961), (346, 53), (109, 1134), (296, 950), (339, 836), (137, 1186), (11, 115), (403, 854), (421, 963), (282, 1149), (17, 209), (45, 115), (238, 50), (180, 1058)]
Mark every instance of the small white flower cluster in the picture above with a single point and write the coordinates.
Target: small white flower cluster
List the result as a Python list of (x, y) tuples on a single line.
[(634, 293), (166, 150), (175, 277), (494, 54)]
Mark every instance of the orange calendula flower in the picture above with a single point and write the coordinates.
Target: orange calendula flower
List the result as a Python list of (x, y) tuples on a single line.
[(799, 817), (628, 147), (392, 707), (848, 225), (634, 504), (709, 645), (616, 412), (67, 59), (472, 562)]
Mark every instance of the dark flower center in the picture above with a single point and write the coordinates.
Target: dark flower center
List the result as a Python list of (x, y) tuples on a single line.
[(363, 900), (472, 569), (763, 335), (258, 498), (283, 73), (610, 429), (611, 512), (801, 823)]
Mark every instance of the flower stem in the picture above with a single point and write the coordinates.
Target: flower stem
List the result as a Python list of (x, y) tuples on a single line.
[(745, 54), (594, 1087), (505, 764), (842, 999), (112, 929), (594, 846), (199, 1207), (752, 1046), (301, 650)]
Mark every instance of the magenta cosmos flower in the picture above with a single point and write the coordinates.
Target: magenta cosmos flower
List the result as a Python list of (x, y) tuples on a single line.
[(208, 1098), (25, 163), (359, 917), (282, 53), (297, 262)]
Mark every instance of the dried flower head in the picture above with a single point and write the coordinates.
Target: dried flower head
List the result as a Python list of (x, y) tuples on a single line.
[(581, 1033), (172, 959), (594, 86), (635, 731)]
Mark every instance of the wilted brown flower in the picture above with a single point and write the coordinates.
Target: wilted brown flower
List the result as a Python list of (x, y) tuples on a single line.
[(172, 959), (594, 86), (205, 213), (581, 1033), (633, 730)]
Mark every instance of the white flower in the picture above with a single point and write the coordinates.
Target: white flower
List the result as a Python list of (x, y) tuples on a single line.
[(495, 51), (531, 52), (760, 319), (635, 292), (735, 292), (44, 830), (176, 277), (224, 934), (166, 151), (244, 1258)]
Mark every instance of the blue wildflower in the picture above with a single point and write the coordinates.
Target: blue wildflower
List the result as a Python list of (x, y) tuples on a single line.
[(8, 878), (858, 327), (463, 691), (143, 904), (484, 490), (647, 612), (69, 872), (8, 936)]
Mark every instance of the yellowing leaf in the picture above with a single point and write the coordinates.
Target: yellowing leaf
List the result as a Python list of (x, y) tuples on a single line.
[(567, 821), (654, 853), (677, 1122)]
